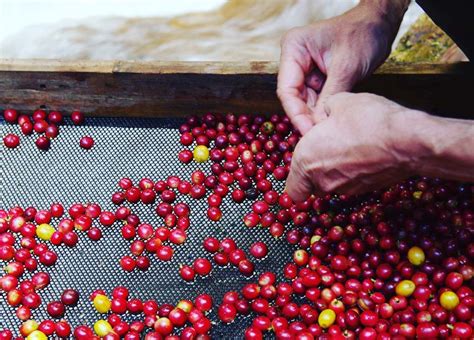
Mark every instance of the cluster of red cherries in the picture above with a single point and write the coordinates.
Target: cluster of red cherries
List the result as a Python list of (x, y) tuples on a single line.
[(46, 125), (224, 252), (146, 239), (395, 263)]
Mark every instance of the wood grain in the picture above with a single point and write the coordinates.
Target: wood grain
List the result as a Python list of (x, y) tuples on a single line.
[(154, 89)]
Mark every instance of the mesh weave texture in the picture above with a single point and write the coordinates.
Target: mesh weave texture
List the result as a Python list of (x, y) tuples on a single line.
[(134, 148)]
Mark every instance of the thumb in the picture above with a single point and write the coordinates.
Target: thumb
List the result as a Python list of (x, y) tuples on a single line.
[(334, 84)]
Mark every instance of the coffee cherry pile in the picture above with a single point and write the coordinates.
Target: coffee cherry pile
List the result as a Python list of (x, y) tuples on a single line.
[(245, 150), (398, 263), (45, 125)]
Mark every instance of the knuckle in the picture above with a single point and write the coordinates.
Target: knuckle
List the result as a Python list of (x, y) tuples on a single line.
[(290, 35), (280, 93), (325, 186)]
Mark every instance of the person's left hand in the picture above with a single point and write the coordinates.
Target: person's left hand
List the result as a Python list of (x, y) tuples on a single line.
[(365, 144)]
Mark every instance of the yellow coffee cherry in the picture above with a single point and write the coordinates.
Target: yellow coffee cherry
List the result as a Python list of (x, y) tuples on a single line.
[(405, 288), (201, 153), (449, 300), (102, 303), (416, 256), (37, 335), (102, 328), (326, 318), (45, 231)]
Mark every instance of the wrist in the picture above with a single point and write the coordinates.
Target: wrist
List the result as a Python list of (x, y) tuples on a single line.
[(412, 135), (389, 13)]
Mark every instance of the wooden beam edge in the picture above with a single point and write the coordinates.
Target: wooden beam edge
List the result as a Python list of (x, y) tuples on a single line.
[(214, 67)]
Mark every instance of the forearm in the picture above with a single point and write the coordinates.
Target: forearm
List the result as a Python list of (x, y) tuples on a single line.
[(440, 147), (390, 11)]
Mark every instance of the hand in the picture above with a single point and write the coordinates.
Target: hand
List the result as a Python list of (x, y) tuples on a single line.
[(366, 143), (331, 56)]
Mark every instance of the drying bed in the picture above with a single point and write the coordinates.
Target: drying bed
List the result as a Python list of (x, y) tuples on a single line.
[(134, 148), (366, 254)]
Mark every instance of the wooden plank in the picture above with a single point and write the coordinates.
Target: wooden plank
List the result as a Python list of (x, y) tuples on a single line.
[(145, 89), (201, 67), (152, 67)]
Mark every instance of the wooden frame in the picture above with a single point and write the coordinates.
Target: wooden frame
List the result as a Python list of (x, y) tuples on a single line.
[(149, 89)]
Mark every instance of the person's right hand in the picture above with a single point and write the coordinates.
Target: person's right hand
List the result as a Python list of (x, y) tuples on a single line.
[(368, 142), (329, 57)]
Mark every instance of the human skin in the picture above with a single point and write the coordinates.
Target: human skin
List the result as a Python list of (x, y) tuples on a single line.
[(332, 55), (356, 143), (369, 142)]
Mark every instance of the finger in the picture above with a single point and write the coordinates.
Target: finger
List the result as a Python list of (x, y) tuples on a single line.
[(335, 83), (291, 84), (297, 111), (311, 98), (298, 185)]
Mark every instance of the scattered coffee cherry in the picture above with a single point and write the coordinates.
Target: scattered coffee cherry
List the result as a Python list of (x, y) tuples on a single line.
[(36, 335), (42, 143), (211, 244), (40, 126), (11, 141), (214, 214), (246, 267), (56, 309), (326, 318), (51, 131), (40, 280), (202, 266), (405, 288), (128, 263), (77, 118), (259, 250), (187, 273), (94, 234), (44, 231), (39, 115), (227, 313), (86, 142), (10, 116), (70, 297), (185, 156), (26, 128), (102, 303), (55, 117)]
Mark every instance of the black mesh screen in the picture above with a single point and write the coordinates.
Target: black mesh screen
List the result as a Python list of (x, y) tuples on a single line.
[(134, 148)]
